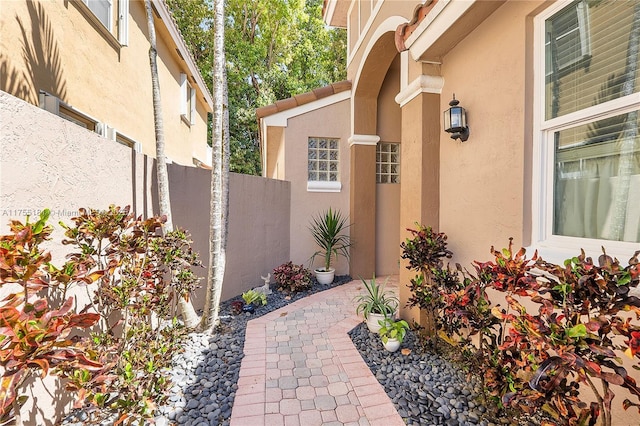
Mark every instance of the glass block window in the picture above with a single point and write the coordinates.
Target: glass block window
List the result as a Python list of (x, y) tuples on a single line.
[(388, 162), (323, 157)]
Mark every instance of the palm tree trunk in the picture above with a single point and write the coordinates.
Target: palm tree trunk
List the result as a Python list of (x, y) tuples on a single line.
[(189, 315), (163, 178), (217, 218)]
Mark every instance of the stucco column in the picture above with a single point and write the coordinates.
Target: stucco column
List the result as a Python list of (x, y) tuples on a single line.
[(363, 205), (419, 169)]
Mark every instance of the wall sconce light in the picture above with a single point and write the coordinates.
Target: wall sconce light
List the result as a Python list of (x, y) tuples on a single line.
[(455, 121)]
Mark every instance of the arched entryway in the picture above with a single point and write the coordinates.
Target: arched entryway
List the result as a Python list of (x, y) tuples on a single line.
[(388, 176), (376, 123)]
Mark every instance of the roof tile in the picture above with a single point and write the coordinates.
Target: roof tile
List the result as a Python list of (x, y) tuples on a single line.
[(303, 98), (405, 30)]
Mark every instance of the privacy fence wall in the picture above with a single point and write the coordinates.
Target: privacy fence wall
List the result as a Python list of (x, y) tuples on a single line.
[(48, 162)]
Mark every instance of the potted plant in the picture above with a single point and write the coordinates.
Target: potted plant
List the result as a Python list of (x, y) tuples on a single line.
[(328, 232), (392, 333), (377, 304), (251, 298)]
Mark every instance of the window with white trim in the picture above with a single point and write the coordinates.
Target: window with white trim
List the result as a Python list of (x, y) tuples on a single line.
[(123, 22), (387, 162), (322, 164), (103, 9), (587, 154), (55, 106), (188, 101), (567, 39)]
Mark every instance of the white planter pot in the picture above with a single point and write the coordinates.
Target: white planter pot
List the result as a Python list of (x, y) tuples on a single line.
[(392, 345), (325, 277), (372, 322)]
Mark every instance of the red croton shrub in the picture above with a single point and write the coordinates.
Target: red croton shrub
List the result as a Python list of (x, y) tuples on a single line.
[(132, 272), (583, 323), (35, 337), (581, 319)]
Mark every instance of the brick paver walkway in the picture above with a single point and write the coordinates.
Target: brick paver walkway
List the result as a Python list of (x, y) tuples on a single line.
[(301, 368)]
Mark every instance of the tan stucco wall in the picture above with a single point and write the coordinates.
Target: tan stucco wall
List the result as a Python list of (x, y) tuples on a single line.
[(479, 191), (331, 122), (420, 169), (387, 229), (48, 162), (275, 153), (74, 61), (482, 179), (362, 40), (258, 225), (362, 204), (389, 123)]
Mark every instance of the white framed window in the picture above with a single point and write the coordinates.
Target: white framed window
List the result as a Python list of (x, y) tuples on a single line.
[(187, 101), (103, 9), (323, 164), (586, 182), (387, 162), (567, 42), (55, 106), (123, 22)]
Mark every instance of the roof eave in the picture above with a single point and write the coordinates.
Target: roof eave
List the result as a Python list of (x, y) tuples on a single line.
[(172, 28), (438, 25), (334, 13)]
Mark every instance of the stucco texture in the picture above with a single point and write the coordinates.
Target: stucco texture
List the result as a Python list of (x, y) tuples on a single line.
[(482, 179), (52, 46), (48, 162), (329, 122)]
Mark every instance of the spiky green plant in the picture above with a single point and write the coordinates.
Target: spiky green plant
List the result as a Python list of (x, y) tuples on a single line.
[(376, 300), (328, 229)]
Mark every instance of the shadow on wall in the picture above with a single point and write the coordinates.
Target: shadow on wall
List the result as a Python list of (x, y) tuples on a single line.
[(259, 224), (40, 409), (12, 81), (41, 55)]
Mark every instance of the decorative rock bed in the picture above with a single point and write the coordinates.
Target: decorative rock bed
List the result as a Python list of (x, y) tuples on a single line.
[(205, 374), (425, 388)]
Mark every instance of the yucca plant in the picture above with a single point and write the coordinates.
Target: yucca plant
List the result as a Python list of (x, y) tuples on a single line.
[(376, 300), (328, 229)]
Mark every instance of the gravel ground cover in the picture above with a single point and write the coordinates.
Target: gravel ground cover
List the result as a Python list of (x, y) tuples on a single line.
[(205, 375), (425, 388)]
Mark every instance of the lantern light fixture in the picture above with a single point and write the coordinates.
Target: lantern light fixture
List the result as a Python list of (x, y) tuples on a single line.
[(455, 121)]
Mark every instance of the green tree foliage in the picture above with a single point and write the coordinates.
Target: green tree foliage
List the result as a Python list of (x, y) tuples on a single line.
[(275, 49)]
